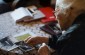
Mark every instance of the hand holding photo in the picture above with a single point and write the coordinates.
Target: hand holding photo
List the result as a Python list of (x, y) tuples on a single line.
[(23, 35)]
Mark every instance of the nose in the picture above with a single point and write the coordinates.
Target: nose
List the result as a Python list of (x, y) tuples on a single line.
[(60, 16), (58, 13)]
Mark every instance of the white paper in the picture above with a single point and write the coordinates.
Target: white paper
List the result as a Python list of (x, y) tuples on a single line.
[(38, 14), (20, 13)]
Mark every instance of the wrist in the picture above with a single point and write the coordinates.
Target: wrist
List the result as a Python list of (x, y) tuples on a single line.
[(45, 39), (52, 42)]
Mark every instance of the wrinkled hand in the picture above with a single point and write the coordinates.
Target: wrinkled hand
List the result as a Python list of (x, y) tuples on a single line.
[(44, 50), (36, 40)]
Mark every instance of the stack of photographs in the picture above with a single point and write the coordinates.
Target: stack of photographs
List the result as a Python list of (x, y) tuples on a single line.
[(8, 43)]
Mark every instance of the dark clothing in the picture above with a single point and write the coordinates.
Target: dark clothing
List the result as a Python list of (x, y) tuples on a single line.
[(8, 1), (25, 3), (45, 3), (4, 8), (72, 42)]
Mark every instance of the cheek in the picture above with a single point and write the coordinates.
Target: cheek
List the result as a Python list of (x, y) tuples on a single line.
[(61, 17), (62, 21)]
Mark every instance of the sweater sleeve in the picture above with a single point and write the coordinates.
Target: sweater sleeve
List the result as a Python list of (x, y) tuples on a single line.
[(53, 41)]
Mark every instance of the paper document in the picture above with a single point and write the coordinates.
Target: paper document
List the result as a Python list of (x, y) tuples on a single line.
[(20, 13)]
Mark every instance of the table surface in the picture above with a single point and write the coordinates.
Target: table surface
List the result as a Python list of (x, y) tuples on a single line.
[(9, 27)]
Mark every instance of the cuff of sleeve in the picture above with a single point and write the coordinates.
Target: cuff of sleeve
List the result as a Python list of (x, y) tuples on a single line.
[(52, 42)]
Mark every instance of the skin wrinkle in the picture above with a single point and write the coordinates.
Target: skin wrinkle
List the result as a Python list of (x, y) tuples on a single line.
[(67, 10)]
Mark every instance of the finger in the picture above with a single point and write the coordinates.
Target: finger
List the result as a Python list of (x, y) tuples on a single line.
[(44, 50), (31, 41), (27, 39)]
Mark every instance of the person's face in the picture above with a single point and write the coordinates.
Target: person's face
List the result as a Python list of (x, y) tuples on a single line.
[(64, 19), (62, 14), (67, 10)]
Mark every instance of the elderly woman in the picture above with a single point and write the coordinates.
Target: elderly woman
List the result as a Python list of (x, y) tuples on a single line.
[(72, 41)]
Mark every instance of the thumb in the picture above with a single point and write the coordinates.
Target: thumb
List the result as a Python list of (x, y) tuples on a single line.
[(44, 50)]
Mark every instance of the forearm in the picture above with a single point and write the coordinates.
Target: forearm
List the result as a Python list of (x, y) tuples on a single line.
[(46, 39)]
